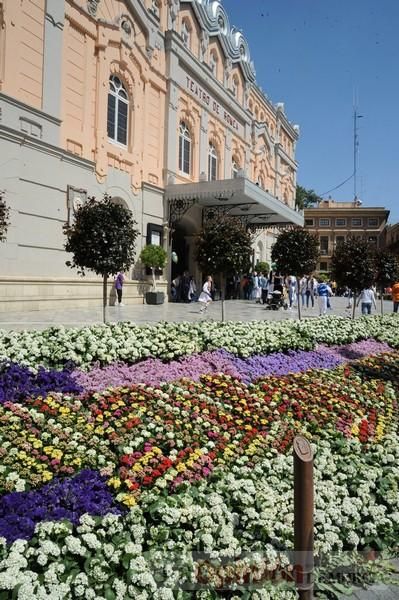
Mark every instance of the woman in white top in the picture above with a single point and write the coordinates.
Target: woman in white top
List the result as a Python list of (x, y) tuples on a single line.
[(205, 296), (367, 298)]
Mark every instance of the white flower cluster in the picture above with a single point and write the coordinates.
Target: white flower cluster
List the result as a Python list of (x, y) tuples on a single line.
[(223, 529), (130, 343)]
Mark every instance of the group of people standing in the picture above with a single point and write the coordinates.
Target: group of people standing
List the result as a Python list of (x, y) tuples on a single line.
[(184, 288), (260, 287)]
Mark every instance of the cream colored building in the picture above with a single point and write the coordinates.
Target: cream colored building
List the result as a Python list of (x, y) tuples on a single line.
[(334, 222), (154, 102)]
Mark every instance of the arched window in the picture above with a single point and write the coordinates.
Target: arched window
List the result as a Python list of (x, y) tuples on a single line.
[(212, 163), (184, 149), (186, 34), (234, 169), (118, 108)]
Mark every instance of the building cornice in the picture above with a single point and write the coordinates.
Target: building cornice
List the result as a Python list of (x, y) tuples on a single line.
[(30, 109), (11, 135)]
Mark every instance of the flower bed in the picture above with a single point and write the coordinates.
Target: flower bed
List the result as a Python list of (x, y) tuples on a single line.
[(184, 467), (129, 343)]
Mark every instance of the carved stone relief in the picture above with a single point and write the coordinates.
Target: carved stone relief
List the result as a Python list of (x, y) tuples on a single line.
[(92, 6)]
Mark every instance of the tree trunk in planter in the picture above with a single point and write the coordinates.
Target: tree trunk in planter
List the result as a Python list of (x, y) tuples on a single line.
[(222, 288), (354, 304), (105, 277), (298, 298)]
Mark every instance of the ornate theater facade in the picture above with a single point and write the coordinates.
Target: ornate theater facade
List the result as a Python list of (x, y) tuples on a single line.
[(154, 102)]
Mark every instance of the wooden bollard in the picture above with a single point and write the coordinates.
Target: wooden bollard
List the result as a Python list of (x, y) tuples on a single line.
[(303, 517)]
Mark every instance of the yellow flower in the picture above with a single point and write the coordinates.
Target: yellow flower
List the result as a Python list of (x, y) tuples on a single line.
[(129, 500), (115, 482), (47, 476), (180, 467)]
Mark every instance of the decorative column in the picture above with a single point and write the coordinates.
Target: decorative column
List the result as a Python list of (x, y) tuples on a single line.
[(52, 59), (203, 144), (228, 159), (172, 132)]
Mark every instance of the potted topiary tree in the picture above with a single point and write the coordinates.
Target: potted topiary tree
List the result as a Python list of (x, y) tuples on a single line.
[(154, 257)]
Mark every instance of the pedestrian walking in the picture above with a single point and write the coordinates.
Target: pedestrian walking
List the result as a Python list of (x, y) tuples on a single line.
[(323, 292), (192, 290), (311, 287), (206, 294), (257, 291), (302, 289), (119, 281), (264, 286), (395, 296), (367, 298), (292, 289)]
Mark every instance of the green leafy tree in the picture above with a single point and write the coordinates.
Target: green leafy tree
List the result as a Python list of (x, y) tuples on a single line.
[(224, 246), (387, 272), (305, 198), (4, 219), (262, 267), (101, 239), (153, 257), (353, 265), (394, 248), (296, 252)]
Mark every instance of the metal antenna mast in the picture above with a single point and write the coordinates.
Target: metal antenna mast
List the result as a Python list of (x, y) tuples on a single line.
[(356, 116)]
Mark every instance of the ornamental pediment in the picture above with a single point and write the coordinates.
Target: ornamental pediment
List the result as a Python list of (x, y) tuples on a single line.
[(213, 19)]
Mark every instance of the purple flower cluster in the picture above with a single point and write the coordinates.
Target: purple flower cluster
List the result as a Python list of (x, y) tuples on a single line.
[(18, 382), (356, 350), (154, 371), (58, 500)]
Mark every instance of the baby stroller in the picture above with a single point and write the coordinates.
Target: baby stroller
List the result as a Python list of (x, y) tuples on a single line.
[(275, 300)]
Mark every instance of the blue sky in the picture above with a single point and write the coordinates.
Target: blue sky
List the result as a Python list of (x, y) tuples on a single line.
[(312, 55)]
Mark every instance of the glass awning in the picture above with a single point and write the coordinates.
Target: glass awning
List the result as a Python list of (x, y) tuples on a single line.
[(238, 197)]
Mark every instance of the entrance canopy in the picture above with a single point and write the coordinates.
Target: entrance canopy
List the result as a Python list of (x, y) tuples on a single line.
[(236, 197)]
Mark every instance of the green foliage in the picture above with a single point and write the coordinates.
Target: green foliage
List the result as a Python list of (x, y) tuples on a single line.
[(305, 198), (296, 252), (4, 219), (153, 256), (224, 246), (394, 248), (323, 277), (102, 237), (353, 264), (262, 267), (387, 269)]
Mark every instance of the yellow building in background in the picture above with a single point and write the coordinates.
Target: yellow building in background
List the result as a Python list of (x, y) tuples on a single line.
[(333, 222)]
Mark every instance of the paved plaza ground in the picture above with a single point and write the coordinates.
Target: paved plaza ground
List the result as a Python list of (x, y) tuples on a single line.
[(235, 310)]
